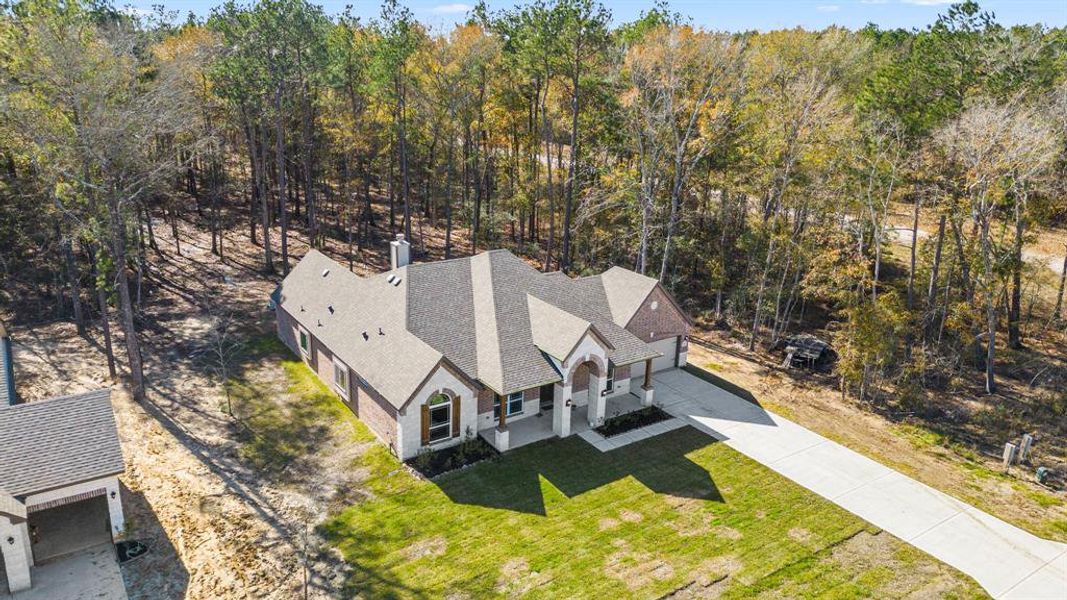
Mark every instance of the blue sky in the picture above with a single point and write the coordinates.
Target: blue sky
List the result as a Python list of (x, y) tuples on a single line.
[(732, 15)]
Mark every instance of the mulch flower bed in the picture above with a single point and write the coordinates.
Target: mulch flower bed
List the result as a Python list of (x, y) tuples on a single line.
[(432, 463), (630, 421)]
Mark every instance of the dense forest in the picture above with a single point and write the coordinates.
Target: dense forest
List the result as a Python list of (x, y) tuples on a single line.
[(754, 174)]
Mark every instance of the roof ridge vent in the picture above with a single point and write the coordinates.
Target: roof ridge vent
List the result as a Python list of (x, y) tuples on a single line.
[(325, 272), (391, 278), (397, 282)]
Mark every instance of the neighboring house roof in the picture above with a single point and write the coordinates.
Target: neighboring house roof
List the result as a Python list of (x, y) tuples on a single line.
[(7, 369), (492, 316), (58, 442)]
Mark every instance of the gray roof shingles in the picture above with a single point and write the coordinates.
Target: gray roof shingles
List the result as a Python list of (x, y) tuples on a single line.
[(477, 312), (338, 307), (58, 442)]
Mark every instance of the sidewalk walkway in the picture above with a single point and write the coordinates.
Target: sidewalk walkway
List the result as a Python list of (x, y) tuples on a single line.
[(1005, 560)]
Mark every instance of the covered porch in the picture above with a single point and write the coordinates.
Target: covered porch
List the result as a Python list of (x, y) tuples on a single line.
[(540, 427)]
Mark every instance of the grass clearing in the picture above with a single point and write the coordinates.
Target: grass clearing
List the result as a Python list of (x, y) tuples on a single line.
[(677, 515)]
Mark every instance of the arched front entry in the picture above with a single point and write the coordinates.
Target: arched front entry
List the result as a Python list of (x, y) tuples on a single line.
[(586, 380), (583, 379)]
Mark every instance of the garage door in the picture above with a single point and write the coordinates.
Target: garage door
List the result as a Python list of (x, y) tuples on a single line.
[(668, 348)]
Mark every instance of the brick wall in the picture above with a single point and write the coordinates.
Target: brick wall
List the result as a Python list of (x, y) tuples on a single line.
[(362, 400), (654, 324), (378, 414), (287, 330), (486, 397)]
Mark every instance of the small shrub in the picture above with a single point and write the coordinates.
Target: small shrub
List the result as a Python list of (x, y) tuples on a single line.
[(431, 463)]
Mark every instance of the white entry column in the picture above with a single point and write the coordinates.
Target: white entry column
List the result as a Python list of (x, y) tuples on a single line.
[(597, 400), (561, 410)]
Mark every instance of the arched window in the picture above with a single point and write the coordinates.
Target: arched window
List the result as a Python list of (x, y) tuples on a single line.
[(440, 417)]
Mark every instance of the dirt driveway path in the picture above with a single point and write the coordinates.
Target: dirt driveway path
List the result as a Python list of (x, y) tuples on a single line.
[(1005, 560)]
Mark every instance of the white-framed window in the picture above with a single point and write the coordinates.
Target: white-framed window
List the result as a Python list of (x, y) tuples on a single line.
[(340, 378), (514, 403), (305, 341), (440, 418), (610, 384)]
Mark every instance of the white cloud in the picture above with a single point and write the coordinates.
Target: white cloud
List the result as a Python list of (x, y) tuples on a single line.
[(451, 9), (828, 8), (874, 1), (928, 2)]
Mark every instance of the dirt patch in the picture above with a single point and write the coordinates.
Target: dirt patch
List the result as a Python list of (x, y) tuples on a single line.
[(711, 579), (684, 504), (912, 578), (517, 580), (435, 546), (608, 524), (727, 532), (800, 534), (631, 516), (691, 524), (217, 526), (637, 569)]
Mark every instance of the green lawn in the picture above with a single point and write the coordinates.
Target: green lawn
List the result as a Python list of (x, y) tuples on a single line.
[(561, 520)]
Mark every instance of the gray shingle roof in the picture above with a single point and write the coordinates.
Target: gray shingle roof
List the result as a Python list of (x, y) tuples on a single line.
[(491, 315), (587, 298), (338, 307), (626, 291), (58, 442), (555, 331)]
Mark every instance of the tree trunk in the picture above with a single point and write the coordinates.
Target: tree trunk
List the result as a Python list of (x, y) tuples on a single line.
[(71, 271), (118, 256), (279, 150), (258, 155), (448, 200), (105, 323), (565, 261), (759, 295), (309, 170), (1058, 312), (991, 313), (1015, 340), (914, 247)]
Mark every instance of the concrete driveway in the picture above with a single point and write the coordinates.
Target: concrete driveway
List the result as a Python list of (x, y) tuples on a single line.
[(90, 574), (1005, 560)]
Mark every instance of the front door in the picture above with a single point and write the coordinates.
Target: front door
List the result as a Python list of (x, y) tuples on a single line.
[(547, 396)]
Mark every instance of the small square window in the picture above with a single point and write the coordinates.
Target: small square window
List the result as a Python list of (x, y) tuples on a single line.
[(340, 378)]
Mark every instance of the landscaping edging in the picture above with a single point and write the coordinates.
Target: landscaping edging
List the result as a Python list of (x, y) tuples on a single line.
[(434, 463), (630, 421), (634, 435)]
